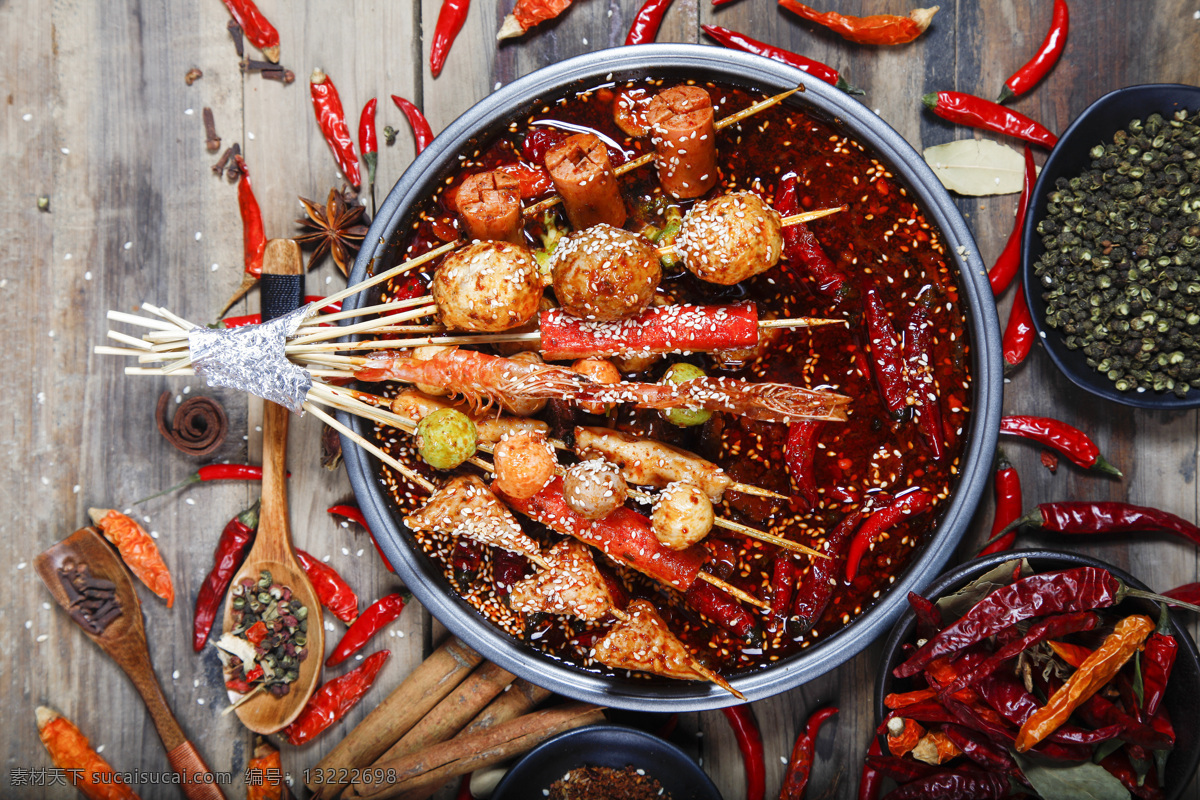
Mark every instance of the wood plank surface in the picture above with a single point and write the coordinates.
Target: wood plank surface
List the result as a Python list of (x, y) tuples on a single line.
[(97, 117)]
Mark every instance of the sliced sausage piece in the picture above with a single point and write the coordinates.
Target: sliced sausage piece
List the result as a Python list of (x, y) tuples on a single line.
[(584, 179), (646, 462), (490, 205), (730, 238), (685, 140), (604, 273), (487, 286)]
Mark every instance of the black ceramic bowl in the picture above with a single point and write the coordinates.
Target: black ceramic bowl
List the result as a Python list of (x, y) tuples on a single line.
[(701, 63), (1183, 690), (612, 746), (1096, 125)]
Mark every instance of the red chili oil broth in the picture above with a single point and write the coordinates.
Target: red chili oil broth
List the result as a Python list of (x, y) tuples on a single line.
[(883, 236)]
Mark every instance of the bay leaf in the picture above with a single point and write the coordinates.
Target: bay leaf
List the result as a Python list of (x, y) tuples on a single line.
[(977, 167), (953, 606), (1057, 780)]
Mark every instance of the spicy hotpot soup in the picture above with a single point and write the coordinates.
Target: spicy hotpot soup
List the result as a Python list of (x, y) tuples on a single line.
[(735, 614)]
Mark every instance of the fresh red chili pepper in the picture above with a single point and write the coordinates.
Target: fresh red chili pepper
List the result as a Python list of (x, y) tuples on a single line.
[(1066, 439), (1188, 593), (919, 360), (332, 119), (214, 472), (967, 109), (816, 587), (331, 589), (256, 319), (783, 584), (740, 41), (876, 29), (1005, 269), (449, 22), (798, 453), (258, 30), (379, 614), (871, 781), (800, 766), (254, 240), (1158, 658), (422, 133), (722, 609), (928, 615), (745, 730), (355, 515), (331, 702), (802, 249), (367, 141), (532, 181), (231, 550), (1019, 333), (881, 521), (1044, 59), (885, 354), (1082, 517), (646, 22), (1008, 505)]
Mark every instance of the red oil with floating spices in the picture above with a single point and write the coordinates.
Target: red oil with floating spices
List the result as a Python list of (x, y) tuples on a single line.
[(883, 238)]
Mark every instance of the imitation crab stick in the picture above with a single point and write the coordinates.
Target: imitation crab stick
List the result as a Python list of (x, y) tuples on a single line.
[(662, 329)]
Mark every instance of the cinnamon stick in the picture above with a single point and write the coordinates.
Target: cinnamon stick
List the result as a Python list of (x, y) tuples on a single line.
[(429, 683), (418, 773)]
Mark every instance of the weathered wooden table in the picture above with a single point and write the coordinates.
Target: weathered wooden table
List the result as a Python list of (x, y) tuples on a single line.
[(98, 118)]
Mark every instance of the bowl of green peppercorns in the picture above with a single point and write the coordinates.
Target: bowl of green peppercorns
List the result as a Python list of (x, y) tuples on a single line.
[(1111, 249)]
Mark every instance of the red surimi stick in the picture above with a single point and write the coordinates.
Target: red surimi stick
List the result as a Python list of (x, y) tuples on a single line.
[(624, 536), (663, 329)]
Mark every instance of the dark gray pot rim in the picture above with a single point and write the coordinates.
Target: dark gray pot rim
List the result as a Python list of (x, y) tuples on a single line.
[(987, 376)]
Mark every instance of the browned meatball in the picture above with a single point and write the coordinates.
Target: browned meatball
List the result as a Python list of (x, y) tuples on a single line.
[(730, 238), (682, 516), (524, 465), (605, 273), (595, 488), (487, 286)]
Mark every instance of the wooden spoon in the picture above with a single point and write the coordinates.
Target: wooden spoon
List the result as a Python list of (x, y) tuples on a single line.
[(124, 639), (272, 551)]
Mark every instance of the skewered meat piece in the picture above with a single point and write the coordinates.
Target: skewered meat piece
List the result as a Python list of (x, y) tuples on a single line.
[(466, 507), (584, 179), (490, 429), (730, 238), (646, 462), (605, 273), (487, 286), (524, 464), (685, 140), (644, 642), (490, 205), (524, 406), (682, 516), (595, 488), (571, 585)]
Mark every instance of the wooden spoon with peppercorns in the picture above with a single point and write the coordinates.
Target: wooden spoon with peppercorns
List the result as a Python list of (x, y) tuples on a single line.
[(260, 710)]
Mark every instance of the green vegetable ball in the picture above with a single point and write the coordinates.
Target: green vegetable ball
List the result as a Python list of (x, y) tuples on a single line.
[(446, 438), (684, 418)]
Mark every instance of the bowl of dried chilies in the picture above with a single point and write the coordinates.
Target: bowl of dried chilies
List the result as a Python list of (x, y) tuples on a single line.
[(1040, 671), (1111, 249)]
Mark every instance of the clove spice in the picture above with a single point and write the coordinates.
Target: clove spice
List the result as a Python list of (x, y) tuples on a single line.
[(192, 76), (235, 31), (213, 142), (285, 76), (389, 135), (92, 601)]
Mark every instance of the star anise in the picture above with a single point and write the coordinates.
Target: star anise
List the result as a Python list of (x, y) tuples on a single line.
[(336, 228)]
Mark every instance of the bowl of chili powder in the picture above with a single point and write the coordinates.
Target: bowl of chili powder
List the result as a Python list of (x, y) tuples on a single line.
[(1038, 672), (901, 229)]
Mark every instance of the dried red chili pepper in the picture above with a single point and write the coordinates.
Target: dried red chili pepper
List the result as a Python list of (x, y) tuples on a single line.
[(975, 112), (331, 702), (784, 573), (527, 13), (1014, 704), (901, 770), (264, 774), (881, 521), (449, 22), (367, 141), (532, 181), (327, 105), (1009, 505), (876, 29), (871, 781), (507, 569), (1083, 517), (214, 472), (646, 22), (954, 784), (1188, 593), (974, 718), (740, 41), (816, 587), (798, 453), (979, 749), (355, 515), (928, 615), (540, 141), (1019, 333), (466, 559), (330, 587), (1071, 653), (1066, 439), (382, 612), (919, 359), (1098, 711), (885, 354), (900, 700), (802, 249), (1005, 269), (722, 609), (137, 549), (1044, 59), (70, 751), (231, 550), (422, 133), (903, 735), (745, 730), (258, 30), (800, 766), (1158, 658)]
